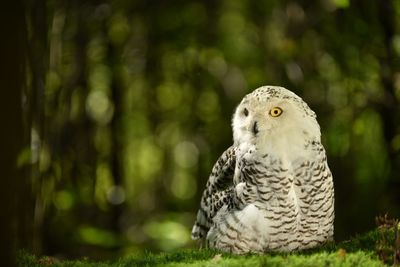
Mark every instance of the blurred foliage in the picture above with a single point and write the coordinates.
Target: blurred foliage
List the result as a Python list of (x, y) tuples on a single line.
[(128, 105)]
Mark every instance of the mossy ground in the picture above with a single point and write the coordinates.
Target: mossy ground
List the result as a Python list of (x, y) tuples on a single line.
[(375, 248)]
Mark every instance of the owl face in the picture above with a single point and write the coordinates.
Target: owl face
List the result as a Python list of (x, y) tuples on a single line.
[(271, 113)]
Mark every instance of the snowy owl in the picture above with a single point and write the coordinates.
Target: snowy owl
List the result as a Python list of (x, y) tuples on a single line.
[(272, 190)]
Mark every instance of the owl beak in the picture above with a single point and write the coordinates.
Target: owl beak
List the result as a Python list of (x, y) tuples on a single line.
[(255, 128)]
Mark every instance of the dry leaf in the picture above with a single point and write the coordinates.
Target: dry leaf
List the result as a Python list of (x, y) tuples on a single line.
[(342, 252), (217, 258)]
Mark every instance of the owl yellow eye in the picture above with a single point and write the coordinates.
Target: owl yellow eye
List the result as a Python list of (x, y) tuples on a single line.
[(275, 112)]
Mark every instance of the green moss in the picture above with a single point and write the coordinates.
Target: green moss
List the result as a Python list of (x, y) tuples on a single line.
[(371, 249), (318, 259)]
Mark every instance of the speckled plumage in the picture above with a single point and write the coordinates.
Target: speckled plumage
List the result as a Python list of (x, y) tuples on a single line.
[(272, 190)]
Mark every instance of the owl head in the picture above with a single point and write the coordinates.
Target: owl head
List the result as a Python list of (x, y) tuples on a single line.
[(272, 113)]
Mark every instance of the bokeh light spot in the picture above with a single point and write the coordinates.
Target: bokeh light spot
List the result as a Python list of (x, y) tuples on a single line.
[(169, 95), (208, 108), (116, 195), (183, 185), (149, 159), (169, 234), (99, 107), (186, 154), (63, 200), (97, 236), (119, 29)]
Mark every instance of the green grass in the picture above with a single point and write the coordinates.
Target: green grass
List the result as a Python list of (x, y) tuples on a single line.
[(375, 248)]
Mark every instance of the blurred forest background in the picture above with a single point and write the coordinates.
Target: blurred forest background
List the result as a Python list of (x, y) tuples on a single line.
[(115, 111)]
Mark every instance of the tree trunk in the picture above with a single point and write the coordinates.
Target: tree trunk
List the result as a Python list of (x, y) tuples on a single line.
[(13, 184), (389, 110)]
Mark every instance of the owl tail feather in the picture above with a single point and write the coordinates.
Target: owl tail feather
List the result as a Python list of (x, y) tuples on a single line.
[(201, 226)]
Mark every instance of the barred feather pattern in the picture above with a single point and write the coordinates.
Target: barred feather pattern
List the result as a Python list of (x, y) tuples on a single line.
[(218, 191), (283, 208), (263, 198)]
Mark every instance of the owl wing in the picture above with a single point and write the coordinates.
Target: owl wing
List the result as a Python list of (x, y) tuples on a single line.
[(218, 191), (315, 192)]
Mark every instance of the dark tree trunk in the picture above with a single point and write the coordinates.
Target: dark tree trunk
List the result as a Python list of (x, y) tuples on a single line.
[(116, 136), (38, 54), (13, 184), (390, 108)]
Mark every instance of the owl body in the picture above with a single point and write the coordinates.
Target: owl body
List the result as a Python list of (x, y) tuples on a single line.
[(272, 190)]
